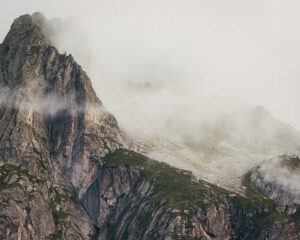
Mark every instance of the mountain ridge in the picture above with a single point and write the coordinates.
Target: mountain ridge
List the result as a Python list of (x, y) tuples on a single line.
[(67, 171)]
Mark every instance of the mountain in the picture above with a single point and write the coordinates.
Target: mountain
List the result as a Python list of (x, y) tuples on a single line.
[(223, 148), (67, 170), (279, 179)]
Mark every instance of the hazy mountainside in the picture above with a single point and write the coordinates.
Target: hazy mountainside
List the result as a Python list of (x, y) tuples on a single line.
[(279, 179), (223, 149), (49, 118), (66, 171)]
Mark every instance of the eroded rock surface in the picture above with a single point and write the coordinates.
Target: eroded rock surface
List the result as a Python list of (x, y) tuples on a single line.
[(135, 197), (55, 128), (279, 179), (66, 172)]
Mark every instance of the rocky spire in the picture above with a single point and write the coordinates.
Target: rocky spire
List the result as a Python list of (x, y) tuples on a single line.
[(53, 125), (60, 151), (27, 30), (27, 58)]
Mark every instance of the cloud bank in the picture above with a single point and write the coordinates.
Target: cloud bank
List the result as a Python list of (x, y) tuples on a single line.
[(185, 77), (283, 174)]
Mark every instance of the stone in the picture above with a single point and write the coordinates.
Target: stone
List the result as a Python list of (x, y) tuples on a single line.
[(66, 170)]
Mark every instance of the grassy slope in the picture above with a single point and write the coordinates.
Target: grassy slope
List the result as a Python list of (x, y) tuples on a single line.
[(179, 191)]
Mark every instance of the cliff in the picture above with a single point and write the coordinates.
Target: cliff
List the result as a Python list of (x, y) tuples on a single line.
[(67, 172)]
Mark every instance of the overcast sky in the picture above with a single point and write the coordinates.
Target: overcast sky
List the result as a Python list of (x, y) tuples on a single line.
[(246, 51)]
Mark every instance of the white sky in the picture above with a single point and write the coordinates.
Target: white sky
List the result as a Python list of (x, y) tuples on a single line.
[(248, 51)]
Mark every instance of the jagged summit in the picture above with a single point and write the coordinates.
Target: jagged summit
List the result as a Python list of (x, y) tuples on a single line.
[(66, 171), (28, 59), (53, 128), (30, 26), (46, 91)]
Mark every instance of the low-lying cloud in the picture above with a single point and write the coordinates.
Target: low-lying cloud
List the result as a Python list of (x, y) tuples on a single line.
[(185, 78), (283, 173), (33, 97)]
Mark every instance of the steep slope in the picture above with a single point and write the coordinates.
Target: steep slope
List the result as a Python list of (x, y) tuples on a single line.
[(49, 118), (225, 147), (66, 171), (135, 197), (279, 179)]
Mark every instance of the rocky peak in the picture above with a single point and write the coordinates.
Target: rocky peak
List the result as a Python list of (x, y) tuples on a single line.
[(53, 100), (65, 172), (29, 60), (54, 133), (26, 30)]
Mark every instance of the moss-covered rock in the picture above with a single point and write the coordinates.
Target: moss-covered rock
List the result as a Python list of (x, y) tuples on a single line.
[(179, 205)]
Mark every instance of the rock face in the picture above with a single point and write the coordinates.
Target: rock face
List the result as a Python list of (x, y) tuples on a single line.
[(135, 197), (279, 179), (66, 174), (53, 125)]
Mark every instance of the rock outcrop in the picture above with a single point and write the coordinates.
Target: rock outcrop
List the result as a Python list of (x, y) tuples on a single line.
[(135, 197), (54, 128), (279, 179), (66, 171)]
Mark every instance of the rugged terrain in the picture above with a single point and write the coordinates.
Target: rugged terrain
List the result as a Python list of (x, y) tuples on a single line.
[(67, 171)]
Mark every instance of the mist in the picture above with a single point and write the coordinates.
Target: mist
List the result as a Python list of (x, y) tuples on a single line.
[(208, 86), (46, 104), (284, 173)]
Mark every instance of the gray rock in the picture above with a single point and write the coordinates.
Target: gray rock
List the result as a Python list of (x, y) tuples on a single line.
[(56, 139)]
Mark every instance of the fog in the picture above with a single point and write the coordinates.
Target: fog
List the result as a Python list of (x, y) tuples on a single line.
[(284, 173), (185, 77), (31, 97)]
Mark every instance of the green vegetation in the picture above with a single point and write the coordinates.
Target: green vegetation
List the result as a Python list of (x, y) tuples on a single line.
[(263, 210), (178, 190), (56, 235), (92, 136), (144, 218), (9, 170), (35, 49), (255, 196), (176, 187), (57, 198)]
